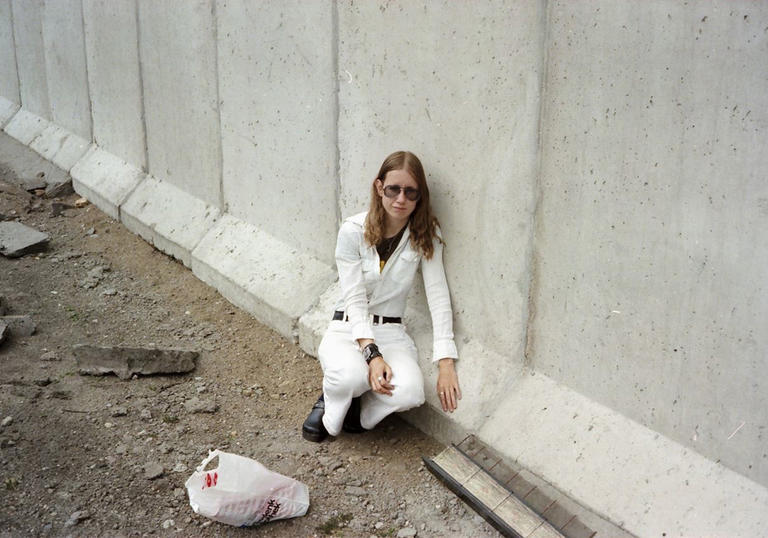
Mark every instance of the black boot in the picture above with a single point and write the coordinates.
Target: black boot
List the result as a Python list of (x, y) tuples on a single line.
[(313, 428), (352, 419)]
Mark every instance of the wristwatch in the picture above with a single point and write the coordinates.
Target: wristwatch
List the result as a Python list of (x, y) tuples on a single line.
[(370, 352)]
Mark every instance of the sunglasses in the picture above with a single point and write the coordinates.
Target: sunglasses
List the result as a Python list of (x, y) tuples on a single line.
[(393, 191)]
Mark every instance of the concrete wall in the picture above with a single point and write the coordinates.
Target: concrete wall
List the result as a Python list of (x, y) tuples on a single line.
[(65, 66), (651, 254), (181, 94), (458, 84), (598, 169), (30, 56), (9, 77), (111, 36), (277, 86)]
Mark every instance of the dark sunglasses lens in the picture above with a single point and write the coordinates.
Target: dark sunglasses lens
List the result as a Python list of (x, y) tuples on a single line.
[(393, 191), (412, 194)]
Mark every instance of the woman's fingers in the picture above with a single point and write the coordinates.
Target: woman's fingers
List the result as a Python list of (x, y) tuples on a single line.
[(379, 377)]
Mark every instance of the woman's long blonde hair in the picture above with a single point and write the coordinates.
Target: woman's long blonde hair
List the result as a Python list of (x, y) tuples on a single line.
[(423, 224)]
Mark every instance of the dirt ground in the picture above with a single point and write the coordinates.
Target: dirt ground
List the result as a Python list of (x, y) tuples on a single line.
[(75, 449)]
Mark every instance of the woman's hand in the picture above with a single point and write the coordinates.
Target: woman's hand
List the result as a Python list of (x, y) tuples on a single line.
[(380, 376), (448, 385)]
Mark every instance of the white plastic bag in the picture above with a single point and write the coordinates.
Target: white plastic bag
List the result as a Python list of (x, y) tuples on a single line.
[(242, 492)]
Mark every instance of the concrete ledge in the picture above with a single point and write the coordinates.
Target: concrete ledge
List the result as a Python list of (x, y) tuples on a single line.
[(7, 110), (314, 322), (168, 217), (273, 281), (25, 126), (629, 474), (60, 146), (105, 180)]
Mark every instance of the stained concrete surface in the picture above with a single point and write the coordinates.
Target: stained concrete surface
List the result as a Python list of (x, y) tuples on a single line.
[(114, 80)]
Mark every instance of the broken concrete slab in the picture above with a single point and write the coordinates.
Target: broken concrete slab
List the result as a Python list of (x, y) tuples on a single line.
[(17, 239), (59, 190), (124, 362), (19, 325)]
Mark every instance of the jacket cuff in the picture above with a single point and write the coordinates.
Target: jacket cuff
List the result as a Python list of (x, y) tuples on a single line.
[(363, 329), (444, 349)]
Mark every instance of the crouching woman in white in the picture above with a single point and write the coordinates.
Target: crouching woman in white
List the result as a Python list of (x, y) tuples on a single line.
[(369, 362)]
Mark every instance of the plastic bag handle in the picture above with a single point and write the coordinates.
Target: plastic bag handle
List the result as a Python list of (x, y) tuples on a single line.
[(211, 454)]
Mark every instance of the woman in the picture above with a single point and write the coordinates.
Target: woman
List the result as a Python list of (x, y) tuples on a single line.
[(369, 362)]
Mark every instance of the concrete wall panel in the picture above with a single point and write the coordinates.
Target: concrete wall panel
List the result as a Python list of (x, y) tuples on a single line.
[(9, 77), (30, 56), (276, 79), (177, 51), (111, 37), (652, 259), (65, 66), (458, 84)]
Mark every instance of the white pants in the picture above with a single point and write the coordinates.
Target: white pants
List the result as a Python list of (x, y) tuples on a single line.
[(345, 375)]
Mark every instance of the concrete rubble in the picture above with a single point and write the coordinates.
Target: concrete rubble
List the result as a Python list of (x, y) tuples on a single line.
[(19, 325), (125, 362), (196, 405), (16, 239)]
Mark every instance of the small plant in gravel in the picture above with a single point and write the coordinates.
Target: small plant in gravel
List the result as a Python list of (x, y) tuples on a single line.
[(334, 524), (11, 483), (170, 419)]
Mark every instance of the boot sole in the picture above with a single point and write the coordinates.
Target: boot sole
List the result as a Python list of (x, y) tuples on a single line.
[(315, 437)]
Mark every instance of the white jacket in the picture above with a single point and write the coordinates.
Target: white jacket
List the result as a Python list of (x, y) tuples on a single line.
[(366, 291)]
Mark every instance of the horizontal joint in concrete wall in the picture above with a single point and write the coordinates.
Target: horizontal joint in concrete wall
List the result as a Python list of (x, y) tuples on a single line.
[(106, 180), (171, 219), (7, 110), (275, 282), (25, 126)]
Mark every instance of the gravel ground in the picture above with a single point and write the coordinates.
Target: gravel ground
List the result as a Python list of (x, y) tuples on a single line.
[(98, 456)]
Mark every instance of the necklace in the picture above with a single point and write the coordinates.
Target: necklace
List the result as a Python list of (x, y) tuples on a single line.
[(387, 246)]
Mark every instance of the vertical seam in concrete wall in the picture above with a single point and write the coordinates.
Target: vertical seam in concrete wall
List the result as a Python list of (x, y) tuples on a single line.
[(15, 56), (538, 191), (215, 14), (141, 87), (336, 106), (87, 73)]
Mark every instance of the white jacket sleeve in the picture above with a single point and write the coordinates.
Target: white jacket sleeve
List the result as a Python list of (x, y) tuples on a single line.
[(439, 301), (350, 267)]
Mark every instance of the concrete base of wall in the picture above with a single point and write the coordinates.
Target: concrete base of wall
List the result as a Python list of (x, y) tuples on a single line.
[(60, 146), (171, 219), (629, 476), (105, 180), (272, 280), (313, 323), (25, 126), (7, 110)]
